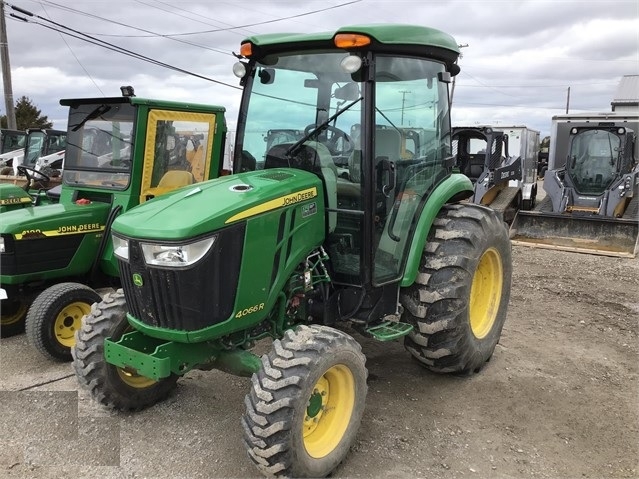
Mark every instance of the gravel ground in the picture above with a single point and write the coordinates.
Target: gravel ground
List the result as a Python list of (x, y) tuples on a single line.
[(559, 399)]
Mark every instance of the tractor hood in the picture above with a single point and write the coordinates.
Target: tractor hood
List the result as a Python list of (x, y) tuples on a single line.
[(54, 220), (215, 204), (12, 196)]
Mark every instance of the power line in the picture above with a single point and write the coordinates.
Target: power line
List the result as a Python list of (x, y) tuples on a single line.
[(82, 36), (173, 35), (200, 16), (152, 33), (76, 58)]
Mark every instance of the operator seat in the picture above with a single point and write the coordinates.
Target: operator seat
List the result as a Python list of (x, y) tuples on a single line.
[(314, 157), (54, 193), (388, 144), (172, 180)]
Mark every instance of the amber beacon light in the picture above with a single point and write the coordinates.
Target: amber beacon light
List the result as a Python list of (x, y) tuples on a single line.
[(350, 40)]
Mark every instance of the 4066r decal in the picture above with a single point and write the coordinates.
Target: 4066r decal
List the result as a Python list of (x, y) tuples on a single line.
[(250, 310)]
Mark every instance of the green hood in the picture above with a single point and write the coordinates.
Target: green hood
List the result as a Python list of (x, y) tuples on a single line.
[(209, 206), (54, 220)]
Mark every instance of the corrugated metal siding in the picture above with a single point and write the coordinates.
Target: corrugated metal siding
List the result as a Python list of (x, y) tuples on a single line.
[(627, 94)]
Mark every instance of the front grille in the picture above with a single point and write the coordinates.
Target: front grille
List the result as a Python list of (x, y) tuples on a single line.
[(38, 254), (186, 299)]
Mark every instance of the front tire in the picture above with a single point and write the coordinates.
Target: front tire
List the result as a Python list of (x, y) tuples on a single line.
[(112, 386), (459, 300), (55, 316), (306, 403)]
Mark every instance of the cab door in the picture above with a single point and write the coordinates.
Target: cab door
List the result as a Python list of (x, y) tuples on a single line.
[(177, 151)]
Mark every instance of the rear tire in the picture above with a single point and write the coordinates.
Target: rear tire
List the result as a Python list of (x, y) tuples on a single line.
[(55, 316), (110, 385), (306, 403), (459, 300)]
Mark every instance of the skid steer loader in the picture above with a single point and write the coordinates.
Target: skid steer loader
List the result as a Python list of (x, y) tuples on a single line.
[(481, 153), (287, 249), (591, 186), (11, 143), (121, 151), (39, 142)]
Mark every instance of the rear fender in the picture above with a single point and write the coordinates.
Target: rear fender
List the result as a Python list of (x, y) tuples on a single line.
[(455, 188)]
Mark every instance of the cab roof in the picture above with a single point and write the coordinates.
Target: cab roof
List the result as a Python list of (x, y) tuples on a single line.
[(396, 39)]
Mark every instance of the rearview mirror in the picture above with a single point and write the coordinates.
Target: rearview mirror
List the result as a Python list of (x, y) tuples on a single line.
[(349, 92)]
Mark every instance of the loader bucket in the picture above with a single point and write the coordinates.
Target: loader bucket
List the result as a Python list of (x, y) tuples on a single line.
[(581, 234)]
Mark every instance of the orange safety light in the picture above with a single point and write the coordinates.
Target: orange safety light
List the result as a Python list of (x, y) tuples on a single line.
[(246, 49), (350, 40)]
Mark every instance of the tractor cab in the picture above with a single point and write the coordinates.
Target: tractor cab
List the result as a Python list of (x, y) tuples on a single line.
[(129, 150), (373, 124)]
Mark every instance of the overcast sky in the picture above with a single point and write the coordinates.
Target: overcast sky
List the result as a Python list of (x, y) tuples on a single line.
[(520, 58)]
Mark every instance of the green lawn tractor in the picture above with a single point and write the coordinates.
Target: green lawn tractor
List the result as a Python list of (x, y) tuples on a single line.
[(288, 249), (121, 151), (34, 192), (29, 186)]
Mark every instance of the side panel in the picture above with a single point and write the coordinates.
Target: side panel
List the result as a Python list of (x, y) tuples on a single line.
[(51, 241)]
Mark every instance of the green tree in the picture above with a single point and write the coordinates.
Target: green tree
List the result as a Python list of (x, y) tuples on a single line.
[(27, 116)]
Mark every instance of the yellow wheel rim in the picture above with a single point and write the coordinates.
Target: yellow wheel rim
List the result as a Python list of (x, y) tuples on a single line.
[(134, 380), (68, 321), (485, 293), (329, 411), (14, 316)]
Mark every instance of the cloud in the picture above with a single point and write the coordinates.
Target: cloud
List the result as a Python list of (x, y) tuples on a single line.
[(520, 60)]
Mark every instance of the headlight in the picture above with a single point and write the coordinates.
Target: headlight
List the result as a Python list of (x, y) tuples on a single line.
[(176, 255), (120, 247), (1, 245)]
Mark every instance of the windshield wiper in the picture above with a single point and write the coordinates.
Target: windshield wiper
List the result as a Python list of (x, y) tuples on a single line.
[(318, 129), (101, 110)]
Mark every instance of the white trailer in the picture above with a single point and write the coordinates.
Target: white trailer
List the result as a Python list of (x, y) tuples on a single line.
[(523, 143)]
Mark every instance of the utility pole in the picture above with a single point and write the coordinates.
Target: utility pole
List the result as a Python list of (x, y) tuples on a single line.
[(403, 92), (568, 101), (6, 72)]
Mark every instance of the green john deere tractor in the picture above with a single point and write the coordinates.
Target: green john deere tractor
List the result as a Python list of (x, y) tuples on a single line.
[(288, 249), (121, 151)]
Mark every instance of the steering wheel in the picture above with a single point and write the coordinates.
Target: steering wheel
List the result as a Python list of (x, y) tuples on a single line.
[(332, 141), (31, 174)]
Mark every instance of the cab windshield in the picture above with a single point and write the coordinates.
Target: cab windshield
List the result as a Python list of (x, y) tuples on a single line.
[(99, 145), (294, 95), (592, 163)]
